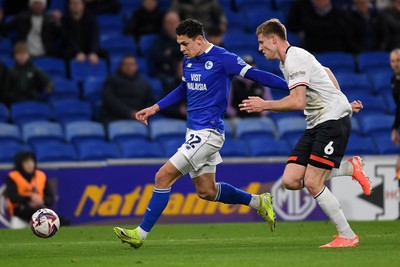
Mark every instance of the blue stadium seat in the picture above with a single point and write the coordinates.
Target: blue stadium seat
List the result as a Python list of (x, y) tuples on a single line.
[(58, 5), (361, 145), (267, 65), (114, 64), (84, 70), (267, 147), (9, 149), (372, 103), (381, 81), (141, 61), (249, 128), (355, 126), (229, 129), (146, 43), (92, 89), (259, 4), (385, 145), (42, 131), (372, 60), (143, 65), (167, 128), (54, 67), (255, 15), (376, 124), (354, 83), (293, 38), (70, 110), (6, 47), (3, 113), (236, 21), (234, 148), (80, 131), (135, 148), (284, 6), (130, 5), (122, 130), (226, 4), (9, 133), (279, 115), (291, 127), (55, 152), (164, 5), (171, 145), (109, 23), (119, 46), (338, 62), (28, 111), (390, 104), (236, 40), (291, 133), (8, 61), (64, 89), (94, 150), (156, 87)]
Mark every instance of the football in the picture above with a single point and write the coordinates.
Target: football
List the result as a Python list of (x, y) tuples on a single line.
[(44, 223)]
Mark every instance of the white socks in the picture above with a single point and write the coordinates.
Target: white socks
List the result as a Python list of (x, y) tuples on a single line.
[(142, 233), (330, 205), (255, 201), (346, 169)]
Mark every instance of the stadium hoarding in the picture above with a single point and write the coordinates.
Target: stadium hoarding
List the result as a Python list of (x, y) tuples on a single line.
[(117, 192), (383, 203)]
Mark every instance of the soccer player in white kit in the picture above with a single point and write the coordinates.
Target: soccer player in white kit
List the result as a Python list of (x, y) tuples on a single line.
[(205, 85), (318, 154)]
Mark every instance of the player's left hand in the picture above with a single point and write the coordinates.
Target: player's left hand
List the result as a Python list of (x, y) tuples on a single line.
[(252, 104), (356, 106)]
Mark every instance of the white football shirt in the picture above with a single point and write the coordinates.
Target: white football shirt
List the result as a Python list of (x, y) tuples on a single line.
[(324, 101)]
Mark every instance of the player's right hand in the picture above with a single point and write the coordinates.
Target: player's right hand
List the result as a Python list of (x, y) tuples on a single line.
[(144, 114)]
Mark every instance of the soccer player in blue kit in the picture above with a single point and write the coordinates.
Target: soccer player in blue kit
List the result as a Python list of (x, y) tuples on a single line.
[(205, 86)]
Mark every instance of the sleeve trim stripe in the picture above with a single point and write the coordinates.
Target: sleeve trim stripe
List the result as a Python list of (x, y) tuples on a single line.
[(244, 70), (298, 84)]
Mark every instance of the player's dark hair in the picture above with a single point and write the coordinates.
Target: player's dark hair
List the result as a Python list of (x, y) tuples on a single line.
[(272, 26), (191, 28)]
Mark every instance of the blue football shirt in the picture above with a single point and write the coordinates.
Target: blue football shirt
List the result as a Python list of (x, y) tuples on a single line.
[(207, 80), (205, 85)]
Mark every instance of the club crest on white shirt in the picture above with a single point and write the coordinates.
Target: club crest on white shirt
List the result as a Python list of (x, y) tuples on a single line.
[(208, 65)]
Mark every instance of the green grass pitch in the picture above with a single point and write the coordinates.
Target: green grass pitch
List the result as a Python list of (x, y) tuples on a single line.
[(234, 244)]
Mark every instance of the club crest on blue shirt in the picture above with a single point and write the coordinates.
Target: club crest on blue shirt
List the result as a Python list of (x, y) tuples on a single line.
[(189, 65), (208, 65), (240, 61)]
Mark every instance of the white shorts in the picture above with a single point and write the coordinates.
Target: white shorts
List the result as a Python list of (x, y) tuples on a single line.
[(200, 152)]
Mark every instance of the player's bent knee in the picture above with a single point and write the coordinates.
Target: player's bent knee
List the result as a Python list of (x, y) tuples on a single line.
[(291, 184), (162, 180)]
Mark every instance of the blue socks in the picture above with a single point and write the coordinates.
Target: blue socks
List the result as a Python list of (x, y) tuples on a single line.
[(229, 194), (158, 202), (226, 193)]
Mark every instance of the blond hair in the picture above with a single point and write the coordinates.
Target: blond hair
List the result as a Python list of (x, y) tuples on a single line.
[(272, 26)]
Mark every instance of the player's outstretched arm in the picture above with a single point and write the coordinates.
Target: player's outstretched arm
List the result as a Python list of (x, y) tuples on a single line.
[(144, 114), (266, 78)]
